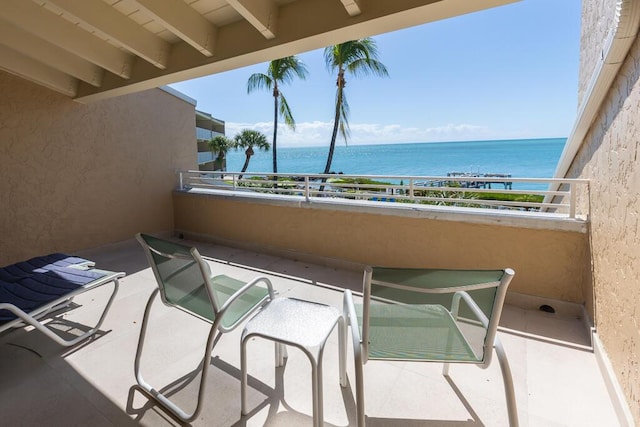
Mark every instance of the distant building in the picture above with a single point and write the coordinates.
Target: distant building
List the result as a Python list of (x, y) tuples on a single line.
[(208, 127)]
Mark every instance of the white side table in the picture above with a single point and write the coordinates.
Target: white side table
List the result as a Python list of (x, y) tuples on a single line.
[(302, 324)]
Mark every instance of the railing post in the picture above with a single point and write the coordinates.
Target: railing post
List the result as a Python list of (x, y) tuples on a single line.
[(180, 178), (306, 188), (572, 200), (411, 188), (234, 180)]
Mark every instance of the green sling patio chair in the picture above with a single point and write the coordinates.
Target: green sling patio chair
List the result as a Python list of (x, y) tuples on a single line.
[(429, 315), (185, 282)]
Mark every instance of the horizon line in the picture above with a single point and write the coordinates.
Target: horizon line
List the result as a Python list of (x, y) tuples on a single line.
[(289, 145)]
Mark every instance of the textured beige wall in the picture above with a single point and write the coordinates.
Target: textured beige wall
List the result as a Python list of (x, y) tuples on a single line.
[(609, 157), (597, 18), (551, 264), (75, 176)]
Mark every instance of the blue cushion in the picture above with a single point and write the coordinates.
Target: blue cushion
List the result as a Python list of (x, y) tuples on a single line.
[(34, 283)]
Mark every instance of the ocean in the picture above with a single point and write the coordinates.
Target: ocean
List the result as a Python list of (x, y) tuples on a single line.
[(524, 158)]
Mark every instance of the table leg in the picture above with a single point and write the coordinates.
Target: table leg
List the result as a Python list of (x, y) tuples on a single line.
[(316, 387)]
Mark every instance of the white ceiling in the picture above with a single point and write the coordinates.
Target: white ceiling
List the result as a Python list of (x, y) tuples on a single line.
[(95, 49)]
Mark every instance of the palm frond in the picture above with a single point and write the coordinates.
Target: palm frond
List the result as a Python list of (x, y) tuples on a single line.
[(358, 58), (259, 81), (285, 112), (365, 67), (332, 57), (220, 145), (249, 138), (285, 70)]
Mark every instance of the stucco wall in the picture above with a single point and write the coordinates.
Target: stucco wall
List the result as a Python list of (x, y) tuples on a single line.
[(75, 176), (597, 17), (609, 157), (548, 263)]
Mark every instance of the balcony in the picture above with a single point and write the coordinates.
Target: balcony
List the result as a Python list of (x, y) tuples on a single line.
[(556, 374)]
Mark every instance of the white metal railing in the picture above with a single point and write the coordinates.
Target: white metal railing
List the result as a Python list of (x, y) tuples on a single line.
[(460, 190)]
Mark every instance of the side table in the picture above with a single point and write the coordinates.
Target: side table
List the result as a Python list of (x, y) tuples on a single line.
[(302, 324)]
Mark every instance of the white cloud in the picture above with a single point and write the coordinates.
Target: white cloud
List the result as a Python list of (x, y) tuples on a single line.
[(318, 133)]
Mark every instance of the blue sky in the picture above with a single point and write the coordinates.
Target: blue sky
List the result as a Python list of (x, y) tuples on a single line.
[(504, 73)]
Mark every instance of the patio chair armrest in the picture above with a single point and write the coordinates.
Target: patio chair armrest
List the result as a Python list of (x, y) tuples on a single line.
[(463, 295), (359, 354), (237, 294), (350, 316)]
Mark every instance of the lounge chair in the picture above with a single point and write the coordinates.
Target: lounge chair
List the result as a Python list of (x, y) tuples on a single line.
[(417, 315), (32, 289), (185, 282)]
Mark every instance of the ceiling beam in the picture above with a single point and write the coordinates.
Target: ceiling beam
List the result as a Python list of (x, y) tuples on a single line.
[(183, 21), (118, 27), (41, 51), (27, 68), (302, 26), (62, 33), (262, 14), (354, 7)]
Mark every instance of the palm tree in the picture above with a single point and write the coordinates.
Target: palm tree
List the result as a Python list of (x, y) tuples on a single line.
[(220, 146), (358, 58), (281, 71), (248, 139)]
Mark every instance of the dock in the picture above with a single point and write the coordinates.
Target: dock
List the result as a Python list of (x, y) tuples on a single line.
[(481, 180)]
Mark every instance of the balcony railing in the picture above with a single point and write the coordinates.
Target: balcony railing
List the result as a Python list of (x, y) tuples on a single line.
[(206, 134), (458, 190)]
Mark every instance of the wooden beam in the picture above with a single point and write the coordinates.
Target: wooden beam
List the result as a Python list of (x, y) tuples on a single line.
[(262, 14), (46, 53), (354, 7), (183, 21), (116, 26), (302, 26), (62, 33), (27, 68)]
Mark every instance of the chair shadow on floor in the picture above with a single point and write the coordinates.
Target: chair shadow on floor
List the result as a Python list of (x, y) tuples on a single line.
[(474, 421), (275, 398), (66, 328)]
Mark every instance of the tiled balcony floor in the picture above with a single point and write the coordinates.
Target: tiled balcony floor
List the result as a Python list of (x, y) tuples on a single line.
[(557, 381)]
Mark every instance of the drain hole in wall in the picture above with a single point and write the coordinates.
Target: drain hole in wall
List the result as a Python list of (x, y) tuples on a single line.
[(180, 236), (547, 308)]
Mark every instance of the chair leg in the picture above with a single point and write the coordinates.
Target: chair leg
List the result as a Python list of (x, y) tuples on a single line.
[(243, 373), (342, 347), (445, 369), (359, 368), (157, 395), (350, 320), (33, 321), (509, 390)]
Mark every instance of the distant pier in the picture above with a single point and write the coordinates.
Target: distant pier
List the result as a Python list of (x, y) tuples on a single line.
[(481, 180)]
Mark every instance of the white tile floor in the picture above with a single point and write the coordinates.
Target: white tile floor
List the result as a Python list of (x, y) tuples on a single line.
[(557, 384)]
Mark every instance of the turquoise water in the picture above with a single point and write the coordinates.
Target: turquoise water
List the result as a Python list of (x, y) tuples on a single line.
[(527, 158)]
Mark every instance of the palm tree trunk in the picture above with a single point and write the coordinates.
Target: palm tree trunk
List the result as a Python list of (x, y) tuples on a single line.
[(275, 133), (246, 162), (275, 128), (334, 135)]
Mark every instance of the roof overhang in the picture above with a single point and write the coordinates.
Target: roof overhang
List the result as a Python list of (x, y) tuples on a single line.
[(101, 49)]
